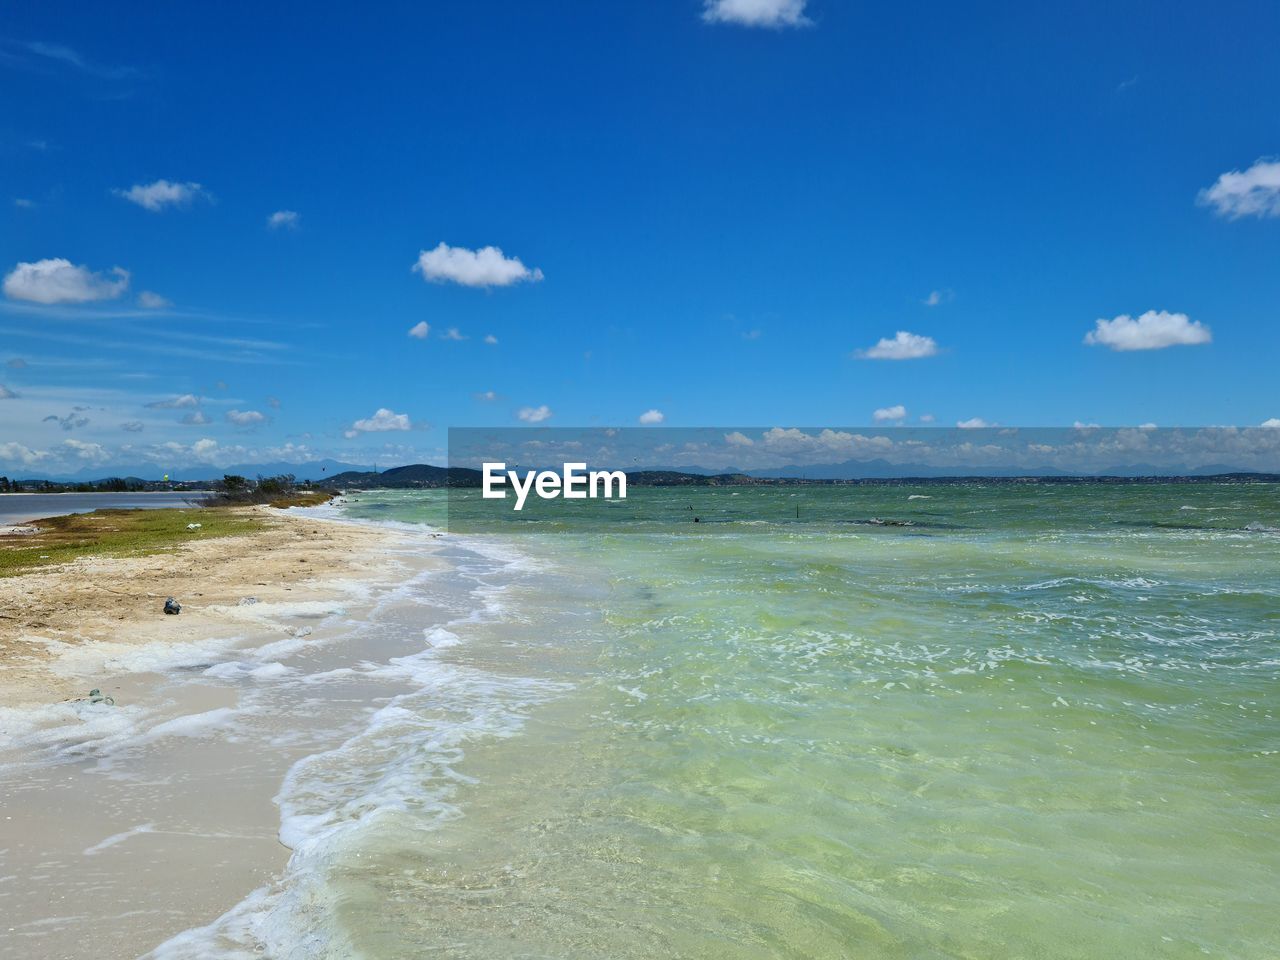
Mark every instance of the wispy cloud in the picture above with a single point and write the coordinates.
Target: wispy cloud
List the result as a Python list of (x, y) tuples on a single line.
[(60, 281), (486, 267), (756, 13), (36, 54), (150, 300), (453, 333), (973, 423), (1249, 193), (534, 414), (163, 194), (938, 297), (283, 220), (902, 346), (1154, 330), (185, 401)]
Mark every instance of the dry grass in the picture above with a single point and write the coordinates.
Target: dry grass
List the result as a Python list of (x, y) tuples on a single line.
[(119, 533), (303, 498)]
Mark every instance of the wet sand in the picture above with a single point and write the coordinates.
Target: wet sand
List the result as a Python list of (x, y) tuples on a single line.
[(122, 825)]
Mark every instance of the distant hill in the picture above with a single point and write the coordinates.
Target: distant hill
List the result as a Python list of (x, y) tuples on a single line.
[(415, 475)]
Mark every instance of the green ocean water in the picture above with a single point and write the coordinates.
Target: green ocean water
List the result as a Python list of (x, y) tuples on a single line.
[(1029, 721)]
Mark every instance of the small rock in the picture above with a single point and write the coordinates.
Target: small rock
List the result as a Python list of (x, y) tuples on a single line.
[(172, 606)]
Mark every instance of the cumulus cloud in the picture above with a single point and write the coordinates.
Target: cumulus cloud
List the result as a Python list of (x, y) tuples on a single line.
[(420, 330), (245, 418), (1250, 193), (17, 453), (738, 439), (162, 194), (1274, 422), (1154, 330), (652, 416), (903, 346), (756, 13), (973, 423), (60, 281), (197, 419), (153, 301), (896, 412), (89, 452), (6, 393), (383, 420), (534, 414), (283, 220), (486, 267), (490, 339), (184, 401)]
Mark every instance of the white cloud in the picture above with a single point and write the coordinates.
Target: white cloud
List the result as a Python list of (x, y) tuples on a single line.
[(1154, 330), (16, 453), (60, 281), (897, 412), (153, 301), (6, 393), (23, 203), (283, 220), (1251, 193), (89, 452), (926, 418), (162, 193), (197, 419), (245, 418), (490, 339), (903, 346), (486, 267), (132, 426), (534, 414), (420, 330), (973, 423), (738, 439), (937, 298), (652, 416), (382, 421), (204, 448), (1272, 423), (488, 396), (185, 401), (756, 13), (452, 334)]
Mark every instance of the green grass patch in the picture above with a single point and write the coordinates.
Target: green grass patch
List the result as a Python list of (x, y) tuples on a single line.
[(117, 533)]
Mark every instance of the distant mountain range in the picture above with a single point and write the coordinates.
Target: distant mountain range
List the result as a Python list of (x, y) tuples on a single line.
[(337, 474)]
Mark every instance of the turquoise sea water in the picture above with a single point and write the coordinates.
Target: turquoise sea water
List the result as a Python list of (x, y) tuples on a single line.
[(1018, 722)]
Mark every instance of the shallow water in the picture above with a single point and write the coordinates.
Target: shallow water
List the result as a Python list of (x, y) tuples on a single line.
[(1034, 722), (1029, 722)]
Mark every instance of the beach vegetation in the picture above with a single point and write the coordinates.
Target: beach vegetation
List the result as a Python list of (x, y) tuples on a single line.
[(118, 533)]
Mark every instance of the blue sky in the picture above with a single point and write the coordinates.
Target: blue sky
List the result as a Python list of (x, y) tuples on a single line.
[(716, 211)]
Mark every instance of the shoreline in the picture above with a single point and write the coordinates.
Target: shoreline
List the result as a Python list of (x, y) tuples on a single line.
[(50, 611), (177, 783)]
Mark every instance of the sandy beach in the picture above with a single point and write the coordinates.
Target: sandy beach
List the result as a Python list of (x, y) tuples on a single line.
[(53, 611), (124, 824)]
